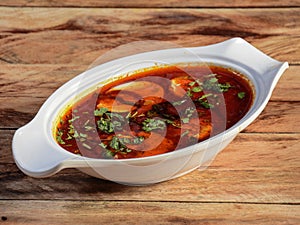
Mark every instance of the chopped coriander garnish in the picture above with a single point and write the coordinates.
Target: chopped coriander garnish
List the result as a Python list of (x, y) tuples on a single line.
[(83, 135), (88, 128), (105, 125), (188, 92), (73, 119), (103, 145), (204, 96), (185, 120), (188, 113), (87, 122), (206, 105), (241, 95), (204, 102), (86, 146), (69, 137), (100, 112), (153, 124), (109, 154), (180, 102), (119, 143), (138, 140), (59, 139), (115, 143), (184, 133), (75, 135), (224, 87), (196, 89), (192, 83), (213, 80), (212, 84)]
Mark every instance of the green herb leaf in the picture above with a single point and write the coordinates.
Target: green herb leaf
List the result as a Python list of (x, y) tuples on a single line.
[(185, 120), (241, 95), (184, 133), (196, 89), (105, 125), (189, 93), (212, 84), (119, 143), (224, 87), (115, 143), (180, 102), (59, 139), (205, 96), (138, 140), (192, 83), (213, 80), (73, 119), (109, 154), (153, 124), (69, 137), (88, 128), (100, 112), (103, 145), (206, 105), (83, 135), (189, 111), (204, 102), (86, 146), (75, 135)]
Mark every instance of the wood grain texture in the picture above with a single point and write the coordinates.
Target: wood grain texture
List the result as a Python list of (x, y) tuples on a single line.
[(268, 173), (79, 35), (276, 186), (44, 43), (89, 212), (152, 4)]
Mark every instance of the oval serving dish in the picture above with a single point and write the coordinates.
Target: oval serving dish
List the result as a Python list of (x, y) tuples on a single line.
[(37, 153)]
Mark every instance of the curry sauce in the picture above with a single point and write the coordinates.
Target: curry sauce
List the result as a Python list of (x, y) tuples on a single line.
[(155, 111)]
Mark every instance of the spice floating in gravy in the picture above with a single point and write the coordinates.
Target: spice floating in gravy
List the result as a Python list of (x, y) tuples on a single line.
[(155, 111)]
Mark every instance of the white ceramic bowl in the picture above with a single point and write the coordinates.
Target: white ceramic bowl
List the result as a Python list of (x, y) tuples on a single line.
[(37, 154)]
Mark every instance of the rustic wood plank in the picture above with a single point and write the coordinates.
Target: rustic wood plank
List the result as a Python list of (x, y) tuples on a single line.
[(266, 186), (287, 88), (154, 3), (268, 173), (79, 35), (91, 212), (255, 180), (277, 117)]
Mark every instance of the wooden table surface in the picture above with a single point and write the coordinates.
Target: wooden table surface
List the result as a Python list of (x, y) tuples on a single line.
[(255, 180)]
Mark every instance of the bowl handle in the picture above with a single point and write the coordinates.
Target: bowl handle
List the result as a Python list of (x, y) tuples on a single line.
[(273, 74), (34, 154)]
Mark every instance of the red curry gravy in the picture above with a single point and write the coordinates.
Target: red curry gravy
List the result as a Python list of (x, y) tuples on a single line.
[(154, 111)]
